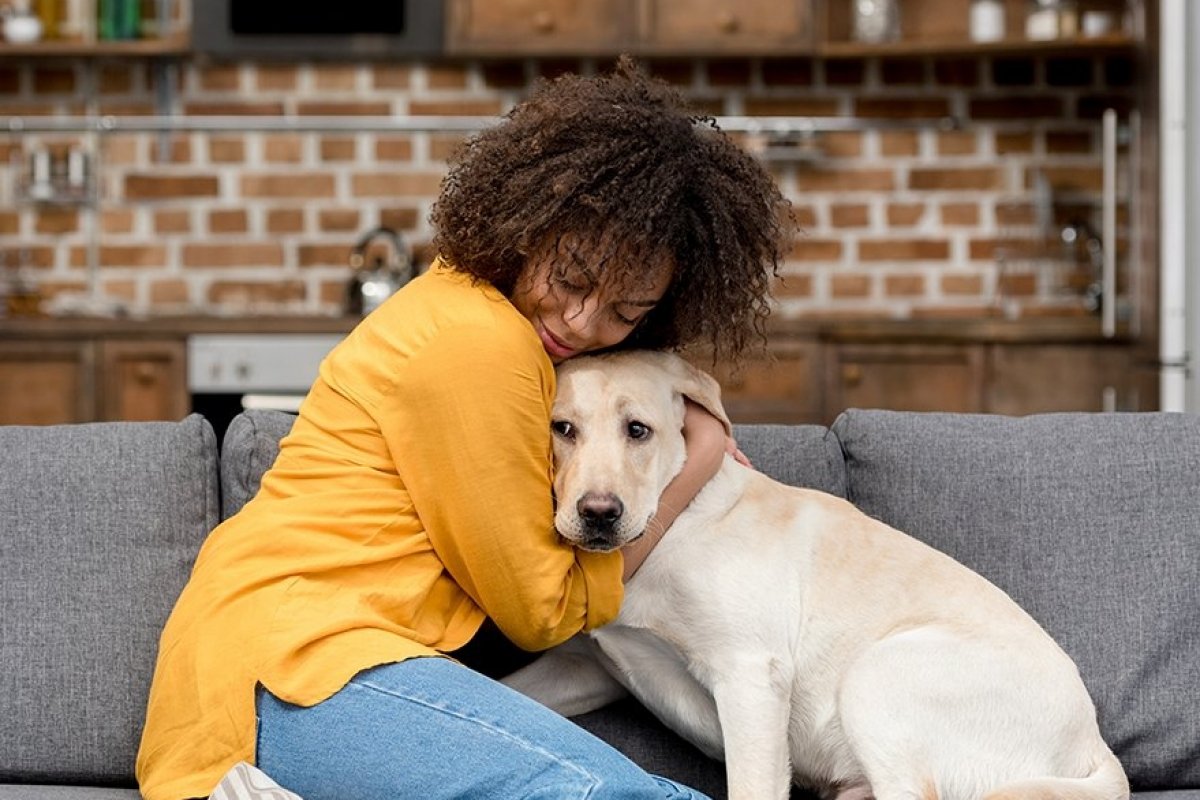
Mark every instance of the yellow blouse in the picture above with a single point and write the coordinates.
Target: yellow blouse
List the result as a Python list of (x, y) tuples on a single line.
[(411, 499)]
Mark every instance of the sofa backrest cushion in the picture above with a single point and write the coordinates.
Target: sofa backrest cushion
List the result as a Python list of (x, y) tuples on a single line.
[(99, 525), (249, 448), (800, 455), (1091, 522), (809, 456)]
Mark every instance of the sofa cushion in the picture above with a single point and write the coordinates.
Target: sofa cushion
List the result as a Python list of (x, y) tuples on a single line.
[(1091, 523), (250, 446), (99, 525), (809, 456), (10, 791)]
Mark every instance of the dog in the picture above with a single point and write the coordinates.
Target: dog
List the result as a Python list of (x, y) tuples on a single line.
[(787, 633)]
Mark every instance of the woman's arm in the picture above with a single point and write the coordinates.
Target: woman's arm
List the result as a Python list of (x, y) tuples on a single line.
[(706, 445)]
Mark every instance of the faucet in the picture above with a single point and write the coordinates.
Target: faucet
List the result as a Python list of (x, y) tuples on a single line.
[(1078, 234)]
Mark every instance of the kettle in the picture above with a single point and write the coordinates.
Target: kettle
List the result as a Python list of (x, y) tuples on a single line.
[(377, 278)]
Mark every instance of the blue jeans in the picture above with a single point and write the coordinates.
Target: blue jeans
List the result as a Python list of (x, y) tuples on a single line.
[(430, 728)]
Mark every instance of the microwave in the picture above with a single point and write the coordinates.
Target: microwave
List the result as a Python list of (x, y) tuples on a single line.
[(317, 29)]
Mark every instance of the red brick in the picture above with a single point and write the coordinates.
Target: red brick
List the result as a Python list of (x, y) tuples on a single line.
[(904, 285), (977, 178), (852, 285), (233, 254), (395, 184), (232, 220), (285, 220), (287, 185), (903, 250), (162, 187), (815, 250), (850, 216), (133, 256), (859, 180)]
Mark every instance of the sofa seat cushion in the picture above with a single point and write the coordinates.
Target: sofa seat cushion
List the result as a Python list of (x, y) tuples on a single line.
[(1091, 523), (99, 525), (9, 791)]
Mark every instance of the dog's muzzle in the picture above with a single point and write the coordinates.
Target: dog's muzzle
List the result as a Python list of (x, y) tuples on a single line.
[(599, 514)]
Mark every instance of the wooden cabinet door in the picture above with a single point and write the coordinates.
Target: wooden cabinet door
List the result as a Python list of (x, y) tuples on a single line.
[(903, 377), (1031, 379), (538, 27), (782, 386), (726, 26), (46, 382), (143, 380)]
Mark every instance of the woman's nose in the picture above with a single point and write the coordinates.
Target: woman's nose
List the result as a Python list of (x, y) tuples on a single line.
[(582, 319)]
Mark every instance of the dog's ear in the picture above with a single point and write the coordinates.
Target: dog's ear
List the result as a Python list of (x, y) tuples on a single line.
[(699, 387)]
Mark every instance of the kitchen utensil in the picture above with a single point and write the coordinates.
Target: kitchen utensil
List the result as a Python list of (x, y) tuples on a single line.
[(376, 276)]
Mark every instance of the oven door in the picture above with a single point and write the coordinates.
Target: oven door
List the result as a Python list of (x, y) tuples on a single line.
[(317, 29), (229, 373)]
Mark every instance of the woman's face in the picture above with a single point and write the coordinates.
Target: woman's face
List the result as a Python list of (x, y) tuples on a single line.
[(575, 312)]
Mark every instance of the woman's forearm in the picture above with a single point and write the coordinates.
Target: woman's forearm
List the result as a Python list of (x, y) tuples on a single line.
[(705, 440)]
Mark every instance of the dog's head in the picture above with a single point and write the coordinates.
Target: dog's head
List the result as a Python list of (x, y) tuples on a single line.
[(618, 440)]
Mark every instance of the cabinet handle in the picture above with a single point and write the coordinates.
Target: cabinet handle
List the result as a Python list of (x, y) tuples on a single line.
[(543, 22), (727, 22), (144, 374), (852, 374)]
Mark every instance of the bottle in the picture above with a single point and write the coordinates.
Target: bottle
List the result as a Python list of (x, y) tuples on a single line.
[(118, 19), (50, 12), (1041, 21), (987, 20), (876, 20)]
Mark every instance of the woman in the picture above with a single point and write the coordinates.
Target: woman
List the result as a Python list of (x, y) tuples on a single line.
[(411, 501)]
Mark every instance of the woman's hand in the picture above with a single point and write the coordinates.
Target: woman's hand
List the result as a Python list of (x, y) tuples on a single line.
[(707, 443)]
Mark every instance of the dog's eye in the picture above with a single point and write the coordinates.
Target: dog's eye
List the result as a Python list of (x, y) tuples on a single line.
[(563, 428), (637, 430)]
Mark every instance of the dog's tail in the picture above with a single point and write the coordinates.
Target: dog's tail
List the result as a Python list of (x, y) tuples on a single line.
[(1107, 781)]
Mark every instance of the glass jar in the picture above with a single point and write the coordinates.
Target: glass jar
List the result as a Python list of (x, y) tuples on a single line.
[(1051, 19), (876, 20), (986, 22)]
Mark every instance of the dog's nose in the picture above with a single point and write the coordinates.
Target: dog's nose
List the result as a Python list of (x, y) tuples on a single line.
[(600, 511)]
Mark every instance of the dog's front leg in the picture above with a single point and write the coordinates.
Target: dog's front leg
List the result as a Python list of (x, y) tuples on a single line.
[(752, 695), (568, 679)]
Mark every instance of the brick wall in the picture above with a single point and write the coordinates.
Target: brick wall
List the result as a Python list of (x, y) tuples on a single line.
[(897, 221)]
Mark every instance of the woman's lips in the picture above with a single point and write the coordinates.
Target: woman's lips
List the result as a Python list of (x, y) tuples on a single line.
[(554, 346)]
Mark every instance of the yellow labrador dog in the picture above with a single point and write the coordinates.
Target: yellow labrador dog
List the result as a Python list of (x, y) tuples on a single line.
[(786, 632)]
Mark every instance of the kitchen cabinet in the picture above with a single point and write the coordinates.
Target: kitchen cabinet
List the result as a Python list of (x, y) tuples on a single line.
[(716, 28), (779, 386), (903, 377), (705, 27), (641, 27), (538, 27), (142, 380), (46, 383), (1064, 378), (943, 27), (53, 381)]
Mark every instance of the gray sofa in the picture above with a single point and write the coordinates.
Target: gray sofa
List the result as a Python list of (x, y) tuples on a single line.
[(1092, 522)]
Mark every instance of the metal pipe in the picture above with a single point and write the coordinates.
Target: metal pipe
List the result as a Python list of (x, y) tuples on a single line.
[(771, 126)]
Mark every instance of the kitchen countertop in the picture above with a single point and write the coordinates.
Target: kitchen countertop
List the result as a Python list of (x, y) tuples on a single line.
[(1031, 330)]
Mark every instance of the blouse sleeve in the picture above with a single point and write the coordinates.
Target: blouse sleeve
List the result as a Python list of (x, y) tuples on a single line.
[(468, 425)]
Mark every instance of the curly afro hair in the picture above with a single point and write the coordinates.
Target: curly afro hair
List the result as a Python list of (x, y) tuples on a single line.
[(619, 163)]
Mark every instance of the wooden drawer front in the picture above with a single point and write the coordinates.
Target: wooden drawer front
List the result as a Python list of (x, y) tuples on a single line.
[(781, 388), (144, 380), (726, 26), (567, 27), (1044, 378), (904, 378), (46, 383)]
